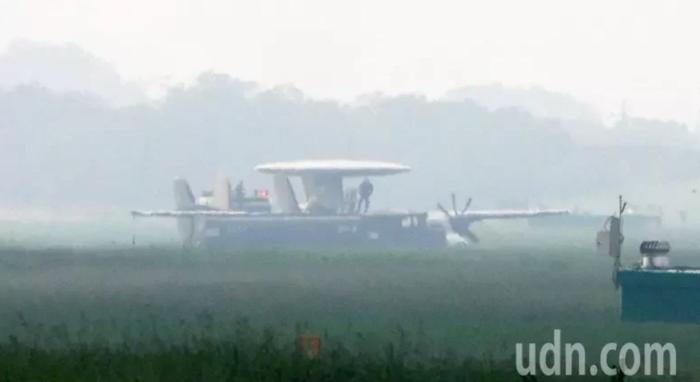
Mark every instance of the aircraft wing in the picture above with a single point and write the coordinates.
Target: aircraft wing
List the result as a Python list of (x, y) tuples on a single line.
[(242, 216), (510, 214), (187, 213)]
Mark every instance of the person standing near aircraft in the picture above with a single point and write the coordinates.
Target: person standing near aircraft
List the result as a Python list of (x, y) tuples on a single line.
[(365, 190)]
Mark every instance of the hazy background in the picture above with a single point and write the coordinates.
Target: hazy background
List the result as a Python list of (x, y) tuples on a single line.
[(519, 104), (561, 104)]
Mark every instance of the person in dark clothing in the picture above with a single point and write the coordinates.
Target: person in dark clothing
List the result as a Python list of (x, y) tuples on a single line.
[(365, 190)]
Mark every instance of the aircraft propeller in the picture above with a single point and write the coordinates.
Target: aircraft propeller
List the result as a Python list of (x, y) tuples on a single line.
[(458, 219)]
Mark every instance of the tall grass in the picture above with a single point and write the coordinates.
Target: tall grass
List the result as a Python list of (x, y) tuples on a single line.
[(165, 314)]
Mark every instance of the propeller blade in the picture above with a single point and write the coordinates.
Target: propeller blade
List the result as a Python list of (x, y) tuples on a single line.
[(470, 236), (466, 206), (454, 203), (444, 211), (460, 226)]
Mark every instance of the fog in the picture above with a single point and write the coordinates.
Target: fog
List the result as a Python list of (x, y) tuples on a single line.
[(87, 289), (74, 136), (555, 114)]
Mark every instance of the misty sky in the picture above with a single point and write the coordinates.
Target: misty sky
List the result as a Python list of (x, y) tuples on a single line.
[(603, 52)]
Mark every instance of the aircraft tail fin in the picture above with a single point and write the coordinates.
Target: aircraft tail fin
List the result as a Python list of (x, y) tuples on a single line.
[(286, 200), (221, 197), (184, 199)]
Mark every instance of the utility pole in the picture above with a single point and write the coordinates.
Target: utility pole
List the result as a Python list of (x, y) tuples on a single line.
[(616, 238)]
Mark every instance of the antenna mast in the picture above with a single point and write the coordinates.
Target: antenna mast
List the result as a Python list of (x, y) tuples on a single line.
[(616, 239)]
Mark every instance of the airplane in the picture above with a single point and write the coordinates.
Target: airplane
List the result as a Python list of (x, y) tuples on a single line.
[(327, 217)]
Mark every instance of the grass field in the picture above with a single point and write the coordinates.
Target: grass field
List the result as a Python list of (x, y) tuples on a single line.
[(168, 314)]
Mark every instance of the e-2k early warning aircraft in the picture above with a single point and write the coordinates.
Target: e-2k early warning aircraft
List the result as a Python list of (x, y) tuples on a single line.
[(329, 217)]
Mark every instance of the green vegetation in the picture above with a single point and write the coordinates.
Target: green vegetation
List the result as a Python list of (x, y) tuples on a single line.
[(263, 358), (167, 314)]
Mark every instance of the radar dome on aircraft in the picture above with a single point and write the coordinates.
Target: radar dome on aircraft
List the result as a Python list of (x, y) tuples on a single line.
[(322, 180), (338, 167)]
